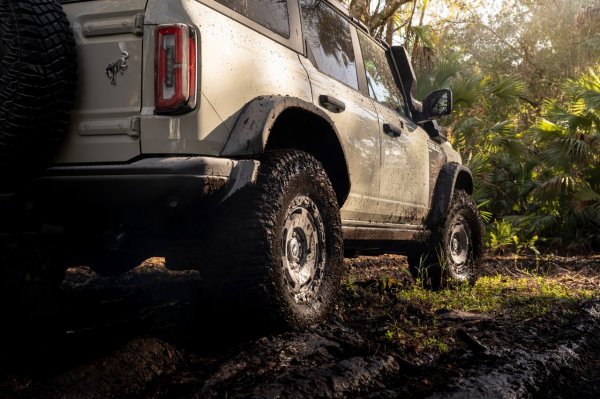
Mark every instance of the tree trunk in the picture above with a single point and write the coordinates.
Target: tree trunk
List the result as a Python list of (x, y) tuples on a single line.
[(389, 32)]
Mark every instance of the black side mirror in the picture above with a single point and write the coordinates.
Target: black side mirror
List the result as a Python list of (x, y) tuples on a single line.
[(437, 103)]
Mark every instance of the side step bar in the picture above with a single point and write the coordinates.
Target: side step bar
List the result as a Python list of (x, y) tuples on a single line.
[(383, 232)]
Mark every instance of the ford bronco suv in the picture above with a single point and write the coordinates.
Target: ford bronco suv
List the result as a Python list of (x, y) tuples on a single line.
[(254, 141)]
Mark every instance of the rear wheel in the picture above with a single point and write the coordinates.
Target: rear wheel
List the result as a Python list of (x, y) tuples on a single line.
[(453, 252), (279, 246)]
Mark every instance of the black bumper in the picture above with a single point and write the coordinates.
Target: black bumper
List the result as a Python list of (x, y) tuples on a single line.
[(150, 192)]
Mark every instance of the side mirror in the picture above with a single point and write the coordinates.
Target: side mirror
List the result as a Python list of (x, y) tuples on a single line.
[(437, 103)]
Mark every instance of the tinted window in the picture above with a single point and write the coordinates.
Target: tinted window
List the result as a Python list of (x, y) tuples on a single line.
[(272, 14), (329, 40), (381, 82)]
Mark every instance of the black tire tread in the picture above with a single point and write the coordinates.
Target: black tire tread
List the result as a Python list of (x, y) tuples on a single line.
[(38, 74), (249, 223)]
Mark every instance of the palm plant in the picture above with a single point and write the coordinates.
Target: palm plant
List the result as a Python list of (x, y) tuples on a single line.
[(568, 187), (484, 131)]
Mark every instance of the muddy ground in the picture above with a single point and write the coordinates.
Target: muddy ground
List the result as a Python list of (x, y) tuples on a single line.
[(148, 334)]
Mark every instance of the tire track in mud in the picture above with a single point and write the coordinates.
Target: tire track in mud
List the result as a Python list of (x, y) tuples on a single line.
[(518, 372)]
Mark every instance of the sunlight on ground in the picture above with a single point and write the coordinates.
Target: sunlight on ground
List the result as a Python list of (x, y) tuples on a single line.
[(521, 297), (513, 292)]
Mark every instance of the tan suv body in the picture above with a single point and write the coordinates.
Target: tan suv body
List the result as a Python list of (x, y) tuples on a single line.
[(391, 178), (178, 102)]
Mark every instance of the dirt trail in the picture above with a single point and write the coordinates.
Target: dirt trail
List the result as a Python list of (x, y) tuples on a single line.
[(147, 334)]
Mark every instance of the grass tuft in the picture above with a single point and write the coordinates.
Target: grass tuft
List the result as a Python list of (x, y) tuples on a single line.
[(403, 313)]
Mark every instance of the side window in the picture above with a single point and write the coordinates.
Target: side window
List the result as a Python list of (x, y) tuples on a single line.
[(272, 14), (381, 82), (329, 40)]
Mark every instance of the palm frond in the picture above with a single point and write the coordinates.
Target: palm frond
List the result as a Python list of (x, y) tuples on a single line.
[(578, 149), (554, 187), (446, 69), (556, 154), (587, 198), (587, 88), (508, 87), (425, 34), (467, 91), (548, 129), (503, 128)]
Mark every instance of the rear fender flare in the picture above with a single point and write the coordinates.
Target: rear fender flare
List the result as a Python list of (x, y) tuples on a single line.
[(253, 126), (257, 123)]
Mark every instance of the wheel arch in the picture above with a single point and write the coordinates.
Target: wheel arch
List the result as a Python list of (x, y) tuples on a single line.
[(277, 122), (452, 176)]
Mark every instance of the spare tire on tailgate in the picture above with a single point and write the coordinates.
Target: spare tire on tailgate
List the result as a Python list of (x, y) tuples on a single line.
[(38, 70)]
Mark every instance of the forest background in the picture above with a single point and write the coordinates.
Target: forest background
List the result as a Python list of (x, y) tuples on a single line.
[(525, 75)]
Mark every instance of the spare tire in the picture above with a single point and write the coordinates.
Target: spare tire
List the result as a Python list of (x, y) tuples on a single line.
[(38, 70)]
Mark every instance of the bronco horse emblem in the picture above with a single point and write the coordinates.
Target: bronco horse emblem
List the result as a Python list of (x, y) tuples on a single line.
[(119, 66)]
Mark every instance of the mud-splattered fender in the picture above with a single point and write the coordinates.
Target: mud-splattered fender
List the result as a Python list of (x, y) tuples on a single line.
[(254, 124), (257, 128), (452, 176)]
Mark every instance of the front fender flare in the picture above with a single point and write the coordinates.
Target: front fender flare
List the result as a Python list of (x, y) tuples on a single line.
[(452, 176)]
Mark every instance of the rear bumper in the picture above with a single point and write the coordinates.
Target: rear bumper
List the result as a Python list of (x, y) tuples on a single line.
[(150, 192)]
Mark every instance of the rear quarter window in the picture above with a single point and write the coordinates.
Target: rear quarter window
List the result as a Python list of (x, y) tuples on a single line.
[(272, 14)]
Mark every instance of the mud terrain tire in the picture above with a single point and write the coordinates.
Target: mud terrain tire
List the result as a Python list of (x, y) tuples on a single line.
[(279, 247), (454, 250), (37, 81)]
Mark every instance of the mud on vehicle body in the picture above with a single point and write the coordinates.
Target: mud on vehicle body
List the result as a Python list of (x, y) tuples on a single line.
[(255, 141)]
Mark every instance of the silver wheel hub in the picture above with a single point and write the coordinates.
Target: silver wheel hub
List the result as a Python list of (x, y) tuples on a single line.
[(303, 244), (460, 243)]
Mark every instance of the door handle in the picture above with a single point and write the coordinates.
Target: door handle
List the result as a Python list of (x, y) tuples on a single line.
[(331, 103), (392, 129)]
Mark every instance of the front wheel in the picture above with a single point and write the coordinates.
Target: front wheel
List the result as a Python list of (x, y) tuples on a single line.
[(453, 252), (279, 246)]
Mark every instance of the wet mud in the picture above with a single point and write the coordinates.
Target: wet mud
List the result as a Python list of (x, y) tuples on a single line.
[(150, 334)]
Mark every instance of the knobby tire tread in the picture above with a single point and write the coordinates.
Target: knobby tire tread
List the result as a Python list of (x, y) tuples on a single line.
[(38, 73), (243, 263)]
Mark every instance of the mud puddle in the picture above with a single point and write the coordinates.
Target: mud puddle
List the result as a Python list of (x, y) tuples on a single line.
[(145, 335)]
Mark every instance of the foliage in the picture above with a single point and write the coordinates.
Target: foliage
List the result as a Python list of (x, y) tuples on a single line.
[(545, 178), (378, 16), (568, 175)]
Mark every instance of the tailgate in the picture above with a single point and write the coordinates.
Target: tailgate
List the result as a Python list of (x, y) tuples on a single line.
[(105, 119)]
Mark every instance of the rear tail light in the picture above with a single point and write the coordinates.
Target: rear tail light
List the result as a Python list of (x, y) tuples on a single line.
[(175, 86)]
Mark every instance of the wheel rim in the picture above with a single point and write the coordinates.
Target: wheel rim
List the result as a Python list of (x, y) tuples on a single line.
[(303, 254), (460, 244)]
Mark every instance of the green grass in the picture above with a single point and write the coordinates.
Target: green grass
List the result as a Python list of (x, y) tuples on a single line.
[(510, 298), (521, 297)]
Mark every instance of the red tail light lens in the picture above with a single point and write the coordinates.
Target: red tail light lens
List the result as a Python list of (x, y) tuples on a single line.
[(175, 86)]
